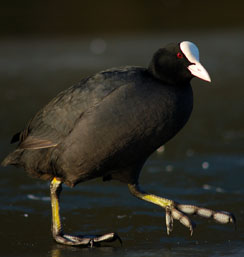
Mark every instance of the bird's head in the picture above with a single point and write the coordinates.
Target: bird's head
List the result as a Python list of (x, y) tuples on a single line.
[(178, 63)]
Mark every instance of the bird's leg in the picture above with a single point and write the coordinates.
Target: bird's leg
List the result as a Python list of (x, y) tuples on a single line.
[(179, 211), (55, 190), (59, 236)]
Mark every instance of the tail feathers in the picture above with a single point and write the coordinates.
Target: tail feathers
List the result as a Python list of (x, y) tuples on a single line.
[(13, 158)]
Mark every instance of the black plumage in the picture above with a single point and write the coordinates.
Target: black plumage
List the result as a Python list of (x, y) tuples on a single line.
[(107, 126)]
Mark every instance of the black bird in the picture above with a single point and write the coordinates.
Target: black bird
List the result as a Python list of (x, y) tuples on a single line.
[(107, 126)]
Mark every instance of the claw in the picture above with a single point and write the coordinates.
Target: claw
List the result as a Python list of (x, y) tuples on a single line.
[(111, 237), (179, 212), (173, 213), (89, 241), (224, 217), (219, 216), (169, 220), (184, 220)]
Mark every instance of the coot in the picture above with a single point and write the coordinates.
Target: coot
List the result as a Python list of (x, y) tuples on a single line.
[(107, 126)]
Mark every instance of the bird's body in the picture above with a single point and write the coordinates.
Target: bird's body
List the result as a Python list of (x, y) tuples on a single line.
[(108, 125), (105, 126)]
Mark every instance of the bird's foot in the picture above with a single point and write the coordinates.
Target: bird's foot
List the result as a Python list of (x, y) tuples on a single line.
[(88, 241), (180, 211)]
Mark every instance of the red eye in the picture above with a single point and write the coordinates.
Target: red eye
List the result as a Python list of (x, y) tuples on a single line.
[(179, 55)]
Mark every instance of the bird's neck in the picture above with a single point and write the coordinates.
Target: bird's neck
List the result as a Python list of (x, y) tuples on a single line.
[(166, 78)]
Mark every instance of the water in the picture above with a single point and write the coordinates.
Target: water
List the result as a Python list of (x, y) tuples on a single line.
[(202, 165)]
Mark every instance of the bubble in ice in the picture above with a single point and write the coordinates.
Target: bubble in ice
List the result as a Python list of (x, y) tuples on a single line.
[(205, 165), (206, 187), (121, 216)]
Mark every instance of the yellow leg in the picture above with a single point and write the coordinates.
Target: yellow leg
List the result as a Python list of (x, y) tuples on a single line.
[(59, 236), (163, 202), (179, 211), (55, 189)]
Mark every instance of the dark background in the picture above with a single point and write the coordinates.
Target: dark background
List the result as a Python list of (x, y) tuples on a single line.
[(79, 18)]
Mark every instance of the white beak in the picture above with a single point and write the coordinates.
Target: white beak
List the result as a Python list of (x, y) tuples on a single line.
[(191, 52), (199, 71)]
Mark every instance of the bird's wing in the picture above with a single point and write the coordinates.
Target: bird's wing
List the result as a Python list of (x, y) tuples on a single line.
[(59, 117)]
